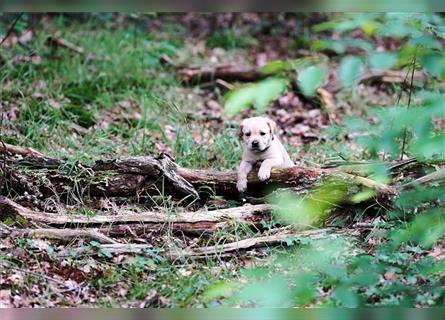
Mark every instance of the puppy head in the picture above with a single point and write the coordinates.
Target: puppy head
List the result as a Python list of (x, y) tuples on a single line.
[(257, 133)]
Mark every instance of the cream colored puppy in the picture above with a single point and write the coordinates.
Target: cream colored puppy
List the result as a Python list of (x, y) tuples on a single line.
[(260, 145)]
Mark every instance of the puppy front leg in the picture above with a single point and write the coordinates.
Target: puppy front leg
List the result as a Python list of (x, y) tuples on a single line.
[(243, 170), (266, 166)]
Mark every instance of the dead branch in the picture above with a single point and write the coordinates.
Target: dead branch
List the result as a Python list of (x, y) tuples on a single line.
[(56, 42), (29, 154), (225, 72), (63, 234), (436, 176), (16, 150), (60, 42), (217, 250), (388, 76), (199, 220)]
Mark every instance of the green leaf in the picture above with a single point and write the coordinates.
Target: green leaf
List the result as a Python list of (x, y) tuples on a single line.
[(310, 79), (268, 90), (239, 99), (350, 70), (276, 66), (433, 62), (218, 290), (259, 95), (95, 244), (347, 297), (382, 60), (362, 196)]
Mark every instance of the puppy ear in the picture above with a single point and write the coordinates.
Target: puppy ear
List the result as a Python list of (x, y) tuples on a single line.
[(272, 126), (240, 130)]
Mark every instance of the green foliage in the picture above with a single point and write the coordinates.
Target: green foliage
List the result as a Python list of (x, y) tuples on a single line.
[(259, 95), (229, 39), (382, 60), (334, 271), (350, 70), (310, 73), (396, 123), (311, 209), (310, 79), (433, 62), (416, 31)]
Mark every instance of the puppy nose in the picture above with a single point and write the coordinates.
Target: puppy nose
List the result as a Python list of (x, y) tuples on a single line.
[(255, 143)]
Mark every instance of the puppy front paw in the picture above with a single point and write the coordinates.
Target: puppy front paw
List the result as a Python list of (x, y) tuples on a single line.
[(241, 185), (263, 174)]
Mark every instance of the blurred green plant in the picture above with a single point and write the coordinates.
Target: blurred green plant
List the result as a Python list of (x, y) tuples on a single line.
[(409, 31), (400, 268), (424, 140), (309, 73), (258, 94)]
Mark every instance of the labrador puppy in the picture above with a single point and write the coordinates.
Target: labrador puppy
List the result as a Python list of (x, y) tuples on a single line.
[(260, 143)]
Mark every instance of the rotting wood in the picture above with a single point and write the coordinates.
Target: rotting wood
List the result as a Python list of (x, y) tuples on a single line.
[(131, 176), (57, 41), (232, 72)]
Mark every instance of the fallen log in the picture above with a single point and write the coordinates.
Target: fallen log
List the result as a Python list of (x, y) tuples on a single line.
[(122, 177), (283, 238), (132, 176)]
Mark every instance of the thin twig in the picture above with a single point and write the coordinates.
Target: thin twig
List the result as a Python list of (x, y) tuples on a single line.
[(11, 28), (409, 103), (3, 167), (36, 274)]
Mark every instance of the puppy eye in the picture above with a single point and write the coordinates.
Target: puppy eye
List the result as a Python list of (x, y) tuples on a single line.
[(247, 134), (262, 133)]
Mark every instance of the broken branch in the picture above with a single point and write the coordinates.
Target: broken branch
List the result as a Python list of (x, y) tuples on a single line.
[(217, 250), (199, 220), (63, 234)]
